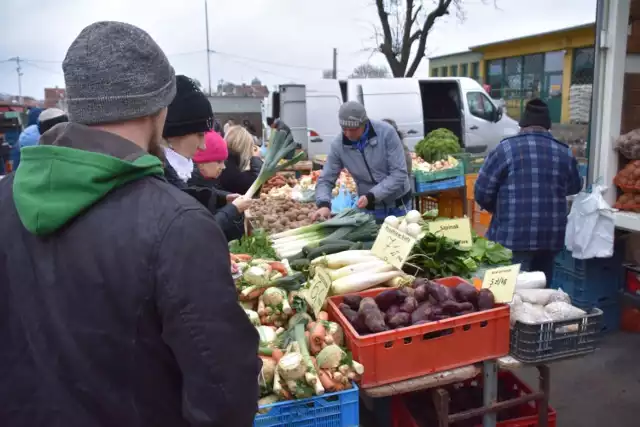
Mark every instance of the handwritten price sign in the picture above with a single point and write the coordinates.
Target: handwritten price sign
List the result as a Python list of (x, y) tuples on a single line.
[(318, 290), (393, 246), (455, 229), (502, 282)]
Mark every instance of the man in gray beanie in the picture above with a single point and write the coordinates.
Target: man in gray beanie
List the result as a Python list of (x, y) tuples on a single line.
[(372, 152), (118, 284)]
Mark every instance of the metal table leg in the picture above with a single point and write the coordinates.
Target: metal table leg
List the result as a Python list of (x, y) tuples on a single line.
[(544, 386), (489, 391)]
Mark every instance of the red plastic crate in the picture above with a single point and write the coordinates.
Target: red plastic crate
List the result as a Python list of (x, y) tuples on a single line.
[(633, 281), (414, 351), (527, 413)]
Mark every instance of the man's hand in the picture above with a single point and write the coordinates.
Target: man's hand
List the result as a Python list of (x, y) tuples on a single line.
[(362, 202), (242, 203), (322, 213), (232, 197)]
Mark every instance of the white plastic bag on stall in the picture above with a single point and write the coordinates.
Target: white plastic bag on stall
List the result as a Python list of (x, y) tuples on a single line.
[(591, 226)]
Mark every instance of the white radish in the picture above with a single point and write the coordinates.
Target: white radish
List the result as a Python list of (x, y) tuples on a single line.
[(361, 281), (414, 230), (413, 217), (403, 226), (375, 266), (392, 221), (344, 258)]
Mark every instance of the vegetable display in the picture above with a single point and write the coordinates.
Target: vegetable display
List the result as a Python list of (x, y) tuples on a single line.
[(257, 245), (487, 252), (277, 181), (279, 214), (439, 144), (419, 164), (436, 256), (423, 302)]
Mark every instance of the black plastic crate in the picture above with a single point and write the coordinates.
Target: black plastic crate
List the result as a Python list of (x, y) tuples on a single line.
[(544, 342)]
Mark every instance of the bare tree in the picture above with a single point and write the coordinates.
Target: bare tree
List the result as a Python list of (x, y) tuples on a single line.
[(403, 31), (370, 71)]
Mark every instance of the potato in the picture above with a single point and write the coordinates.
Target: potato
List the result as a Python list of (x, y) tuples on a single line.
[(399, 320)]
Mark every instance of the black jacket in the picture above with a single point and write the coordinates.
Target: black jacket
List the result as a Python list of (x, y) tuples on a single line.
[(235, 180), (227, 216), (126, 315)]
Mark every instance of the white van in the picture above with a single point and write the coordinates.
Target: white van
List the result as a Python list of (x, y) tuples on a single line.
[(418, 106)]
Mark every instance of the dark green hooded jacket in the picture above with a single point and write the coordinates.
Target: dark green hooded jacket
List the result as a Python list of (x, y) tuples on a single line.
[(117, 306)]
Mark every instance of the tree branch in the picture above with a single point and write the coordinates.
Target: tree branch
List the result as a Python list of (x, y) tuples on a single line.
[(439, 11)]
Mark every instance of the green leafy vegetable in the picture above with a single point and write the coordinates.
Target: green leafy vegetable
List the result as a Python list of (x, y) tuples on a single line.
[(436, 256), (257, 245), (438, 145), (485, 251)]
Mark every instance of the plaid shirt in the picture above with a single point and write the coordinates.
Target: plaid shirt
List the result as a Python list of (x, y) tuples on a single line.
[(524, 183)]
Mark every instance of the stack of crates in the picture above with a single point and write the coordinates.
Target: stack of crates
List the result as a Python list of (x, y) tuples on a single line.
[(480, 219), (590, 283)]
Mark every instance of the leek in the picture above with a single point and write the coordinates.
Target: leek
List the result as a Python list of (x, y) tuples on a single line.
[(282, 145), (346, 218)]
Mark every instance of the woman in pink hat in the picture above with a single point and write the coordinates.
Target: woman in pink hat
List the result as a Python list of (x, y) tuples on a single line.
[(210, 163)]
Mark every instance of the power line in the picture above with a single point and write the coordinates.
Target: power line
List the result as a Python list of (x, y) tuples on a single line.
[(31, 64), (277, 64)]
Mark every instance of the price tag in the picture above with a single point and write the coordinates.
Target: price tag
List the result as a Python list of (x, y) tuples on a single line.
[(458, 229), (318, 290), (502, 282), (393, 246)]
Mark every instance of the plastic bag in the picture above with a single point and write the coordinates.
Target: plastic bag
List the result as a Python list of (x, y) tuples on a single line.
[(344, 200), (591, 226), (560, 310), (542, 296), (531, 280), (303, 195), (531, 314)]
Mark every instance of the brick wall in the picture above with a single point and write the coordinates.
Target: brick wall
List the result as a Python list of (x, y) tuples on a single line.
[(631, 97)]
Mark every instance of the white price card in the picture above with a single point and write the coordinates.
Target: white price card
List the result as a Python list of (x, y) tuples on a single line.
[(458, 229), (502, 282), (318, 289), (393, 246)]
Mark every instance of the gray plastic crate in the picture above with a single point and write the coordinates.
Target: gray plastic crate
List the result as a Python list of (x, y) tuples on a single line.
[(549, 341)]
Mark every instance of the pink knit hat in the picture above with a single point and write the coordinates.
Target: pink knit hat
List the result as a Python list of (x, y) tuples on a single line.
[(215, 149)]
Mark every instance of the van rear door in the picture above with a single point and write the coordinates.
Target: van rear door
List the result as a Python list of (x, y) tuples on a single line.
[(293, 112), (397, 99), (323, 102)]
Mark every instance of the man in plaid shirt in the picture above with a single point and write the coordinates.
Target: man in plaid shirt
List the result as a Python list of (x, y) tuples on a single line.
[(524, 184)]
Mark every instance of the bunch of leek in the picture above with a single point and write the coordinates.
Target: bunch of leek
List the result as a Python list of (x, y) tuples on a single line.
[(282, 145), (348, 224)]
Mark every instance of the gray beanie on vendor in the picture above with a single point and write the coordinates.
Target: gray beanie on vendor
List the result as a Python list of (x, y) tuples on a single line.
[(352, 115), (116, 72)]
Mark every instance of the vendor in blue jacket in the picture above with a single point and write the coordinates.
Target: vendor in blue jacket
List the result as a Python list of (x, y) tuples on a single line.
[(373, 154)]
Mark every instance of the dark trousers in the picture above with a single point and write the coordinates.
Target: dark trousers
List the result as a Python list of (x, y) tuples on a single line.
[(536, 261)]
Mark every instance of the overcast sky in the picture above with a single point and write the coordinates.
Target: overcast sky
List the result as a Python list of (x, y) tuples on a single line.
[(275, 40)]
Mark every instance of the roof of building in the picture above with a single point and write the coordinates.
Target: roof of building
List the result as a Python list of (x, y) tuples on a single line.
[(559, 31), (449, 55)]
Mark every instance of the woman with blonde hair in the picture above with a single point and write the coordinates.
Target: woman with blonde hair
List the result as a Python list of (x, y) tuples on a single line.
[(243, 164)]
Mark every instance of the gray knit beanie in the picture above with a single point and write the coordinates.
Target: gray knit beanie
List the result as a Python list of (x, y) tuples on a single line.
[(352, 115), (116, 72)]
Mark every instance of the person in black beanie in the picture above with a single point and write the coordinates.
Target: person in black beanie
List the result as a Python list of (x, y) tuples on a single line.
[(524, 182), (189, 117), (536, 115)]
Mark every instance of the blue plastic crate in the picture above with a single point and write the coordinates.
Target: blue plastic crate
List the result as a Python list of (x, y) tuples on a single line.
[(587, 267), (338, 409), (445, 184), (595, 289), (611, 313)]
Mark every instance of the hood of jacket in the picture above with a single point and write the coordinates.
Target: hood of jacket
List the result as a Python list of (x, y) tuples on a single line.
[(74, 167), (33, 116)]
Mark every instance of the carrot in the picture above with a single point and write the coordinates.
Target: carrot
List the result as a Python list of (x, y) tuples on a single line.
[(270, 353), (279, 267), (326, 380), (241, 257), (323, 315), (316, 338)]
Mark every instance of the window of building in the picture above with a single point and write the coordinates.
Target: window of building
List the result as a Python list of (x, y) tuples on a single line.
[(464, 70), (444, 71), (512, 83), (475, 70), (454, 70), (554, 61), (532, 75), (434, 72), (494, 77), (481, 106), (583, 63)]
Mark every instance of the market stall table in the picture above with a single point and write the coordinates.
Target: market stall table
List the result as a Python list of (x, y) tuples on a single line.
[(437, 381)]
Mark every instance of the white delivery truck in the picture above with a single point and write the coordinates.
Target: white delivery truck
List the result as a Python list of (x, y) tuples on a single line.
[(417, 105)]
